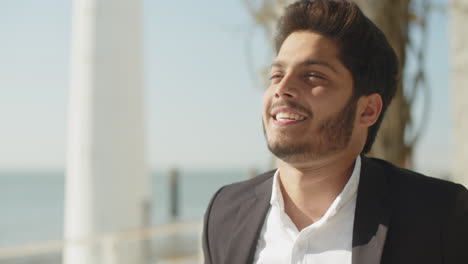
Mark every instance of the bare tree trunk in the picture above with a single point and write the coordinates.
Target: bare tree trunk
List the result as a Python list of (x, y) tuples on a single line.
[(391, 16), (459, 60)]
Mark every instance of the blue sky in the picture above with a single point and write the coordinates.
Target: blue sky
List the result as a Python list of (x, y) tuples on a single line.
[(202, 108)]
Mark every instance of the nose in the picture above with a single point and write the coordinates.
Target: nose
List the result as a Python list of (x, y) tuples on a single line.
[(286, 88)]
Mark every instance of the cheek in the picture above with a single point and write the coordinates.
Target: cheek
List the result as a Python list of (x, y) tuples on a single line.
[(318, 91), (266, 100)]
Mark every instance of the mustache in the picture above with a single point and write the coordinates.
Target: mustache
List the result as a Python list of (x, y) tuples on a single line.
[(293, 105)]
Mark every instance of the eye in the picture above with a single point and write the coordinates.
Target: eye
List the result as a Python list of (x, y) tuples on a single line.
[(276, 77), (314, 77)]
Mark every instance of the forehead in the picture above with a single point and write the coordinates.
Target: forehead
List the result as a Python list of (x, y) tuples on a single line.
[(301, 46)]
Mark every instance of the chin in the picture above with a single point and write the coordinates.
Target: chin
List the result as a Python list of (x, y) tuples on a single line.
[(299, 152), (289, 151)]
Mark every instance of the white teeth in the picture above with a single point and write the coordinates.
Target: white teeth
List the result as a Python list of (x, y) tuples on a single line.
[(289, 116)]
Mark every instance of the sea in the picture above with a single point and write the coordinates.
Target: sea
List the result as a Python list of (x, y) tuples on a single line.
[(32, 202)]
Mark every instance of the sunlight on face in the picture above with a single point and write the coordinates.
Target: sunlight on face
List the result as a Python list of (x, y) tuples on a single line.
[(309, 111)]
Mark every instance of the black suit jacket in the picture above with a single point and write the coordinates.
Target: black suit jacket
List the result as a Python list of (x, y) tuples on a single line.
[(400, 217)]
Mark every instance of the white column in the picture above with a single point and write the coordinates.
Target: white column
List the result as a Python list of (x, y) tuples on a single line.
[(107, 185), (459, 83)]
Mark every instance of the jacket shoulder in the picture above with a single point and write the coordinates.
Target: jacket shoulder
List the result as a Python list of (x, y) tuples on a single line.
[(404, 180), (239, 192), (429, 212), (223, 209), (412, 195)]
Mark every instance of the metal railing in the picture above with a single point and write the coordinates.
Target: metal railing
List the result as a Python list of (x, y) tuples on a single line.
[(172, 243)]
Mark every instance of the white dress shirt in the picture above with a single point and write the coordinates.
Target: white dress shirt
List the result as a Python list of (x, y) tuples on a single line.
[(326, 241)]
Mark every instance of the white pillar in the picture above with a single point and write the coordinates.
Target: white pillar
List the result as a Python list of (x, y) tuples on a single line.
[(459, 83), (107, 186)]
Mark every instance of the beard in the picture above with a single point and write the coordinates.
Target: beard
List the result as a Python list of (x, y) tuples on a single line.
[(333, 135)]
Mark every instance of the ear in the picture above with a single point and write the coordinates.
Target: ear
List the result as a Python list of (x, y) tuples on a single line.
[(369, 109)]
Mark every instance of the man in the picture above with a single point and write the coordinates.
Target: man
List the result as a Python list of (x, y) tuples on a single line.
[(332, 80)]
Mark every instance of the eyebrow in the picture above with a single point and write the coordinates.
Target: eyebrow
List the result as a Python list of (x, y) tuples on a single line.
[(307, 62)]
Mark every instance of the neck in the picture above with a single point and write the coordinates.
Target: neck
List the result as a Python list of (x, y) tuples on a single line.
[(310, 188)]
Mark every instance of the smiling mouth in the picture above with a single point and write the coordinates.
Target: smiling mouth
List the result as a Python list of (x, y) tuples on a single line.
[(286, 118)]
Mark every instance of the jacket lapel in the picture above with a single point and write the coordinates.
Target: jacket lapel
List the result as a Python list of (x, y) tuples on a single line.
[(249, 222), (371, 220), (372, 215)]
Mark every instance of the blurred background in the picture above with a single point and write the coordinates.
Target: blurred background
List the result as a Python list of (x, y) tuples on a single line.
[(202, 75)]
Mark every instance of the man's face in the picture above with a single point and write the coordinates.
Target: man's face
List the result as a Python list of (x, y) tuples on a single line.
[(308, 111)]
